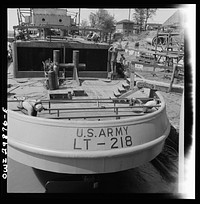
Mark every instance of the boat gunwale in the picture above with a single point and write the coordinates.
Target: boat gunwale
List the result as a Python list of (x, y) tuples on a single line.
[(85, 123), (91, 154)]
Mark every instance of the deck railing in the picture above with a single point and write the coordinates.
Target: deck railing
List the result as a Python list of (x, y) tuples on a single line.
[(114, 101)]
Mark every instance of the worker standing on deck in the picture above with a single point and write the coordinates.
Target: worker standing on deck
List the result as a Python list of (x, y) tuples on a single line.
[(113, 60), (114, 49), (120, 66)]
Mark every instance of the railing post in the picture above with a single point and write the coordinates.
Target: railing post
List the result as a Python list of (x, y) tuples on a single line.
[(114, 106), (49, 107), (117, 113), (132, 76), (172, 78)]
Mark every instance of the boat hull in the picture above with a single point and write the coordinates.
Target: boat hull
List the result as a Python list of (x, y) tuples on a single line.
[(87, 147)]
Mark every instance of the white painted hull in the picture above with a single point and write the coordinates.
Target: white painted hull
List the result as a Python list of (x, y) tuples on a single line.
[(87, 147)]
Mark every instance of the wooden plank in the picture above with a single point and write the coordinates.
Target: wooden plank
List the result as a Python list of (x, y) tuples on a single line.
[(154, 65), (172, 79), (125, 85), (139, 76), (12, 89), (160, 86), (116, 93), (164, 54), (121, 90), (128, 80), (128, 93)]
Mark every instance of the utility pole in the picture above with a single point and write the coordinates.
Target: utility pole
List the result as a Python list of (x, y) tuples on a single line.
[(79, 14), (129, 15)]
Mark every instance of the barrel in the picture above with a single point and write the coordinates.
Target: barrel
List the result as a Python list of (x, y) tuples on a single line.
[(52, 80)]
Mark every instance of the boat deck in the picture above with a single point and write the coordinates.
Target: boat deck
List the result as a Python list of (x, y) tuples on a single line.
[(96, 99)]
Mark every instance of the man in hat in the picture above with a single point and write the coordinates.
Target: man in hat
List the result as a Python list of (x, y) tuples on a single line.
[(114, 49)]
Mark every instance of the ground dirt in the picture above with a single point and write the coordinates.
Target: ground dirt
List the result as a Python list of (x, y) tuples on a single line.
[(172, 99)]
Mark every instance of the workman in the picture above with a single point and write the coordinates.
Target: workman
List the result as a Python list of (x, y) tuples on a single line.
[(120, 66), (89, 36), (95, 37), (31, 106), (114, 49)]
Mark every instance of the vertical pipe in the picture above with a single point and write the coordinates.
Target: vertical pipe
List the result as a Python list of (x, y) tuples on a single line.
[(129, 14), (75, 58), (132, 77), (64, 53), (79, 17), (156, 47), (15, 61), (56, 54), (14, 34), (100, 36), (76, 62), (64, 56), (172, 79), (108, 62)]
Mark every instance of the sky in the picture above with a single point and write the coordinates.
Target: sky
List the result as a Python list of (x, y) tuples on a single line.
[(161, 16)]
